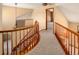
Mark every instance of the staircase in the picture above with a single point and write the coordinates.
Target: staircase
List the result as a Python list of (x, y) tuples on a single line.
[(20, 40)]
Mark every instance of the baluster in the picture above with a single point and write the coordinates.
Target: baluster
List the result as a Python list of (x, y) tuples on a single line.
[(38, 31), (71, 43), (20, 41), (16, 40), (3, 43), (11, 42), (34, 33), (27, 40), (55, 28), (7, 42), (74, 44), (68, 42), (24, 41), (34, 38)]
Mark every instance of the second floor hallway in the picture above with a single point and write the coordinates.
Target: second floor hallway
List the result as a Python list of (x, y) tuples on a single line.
[(38, 29), (48, 44)]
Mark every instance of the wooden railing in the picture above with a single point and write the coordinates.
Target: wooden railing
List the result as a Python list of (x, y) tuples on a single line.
[(68, 39), (19, 41)]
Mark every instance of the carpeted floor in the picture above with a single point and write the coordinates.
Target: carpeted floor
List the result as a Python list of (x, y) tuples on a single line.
[(48, 44)]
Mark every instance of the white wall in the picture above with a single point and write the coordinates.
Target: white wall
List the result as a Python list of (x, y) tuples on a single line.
[(71, 11), (59, 17), (73, 26), (39, 14), (9, 15), (0, 14)]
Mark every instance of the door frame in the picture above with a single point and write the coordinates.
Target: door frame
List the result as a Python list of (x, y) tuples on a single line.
[(46, 16)]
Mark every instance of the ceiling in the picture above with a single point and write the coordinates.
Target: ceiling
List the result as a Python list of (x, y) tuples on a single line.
[(70, 10), (24, 5)]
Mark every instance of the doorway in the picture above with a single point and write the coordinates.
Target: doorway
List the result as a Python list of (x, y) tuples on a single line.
[(49, 18)]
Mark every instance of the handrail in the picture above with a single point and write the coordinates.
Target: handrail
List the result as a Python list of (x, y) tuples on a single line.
[(15, 29), (68, 39), (67, 29), (19, 39)]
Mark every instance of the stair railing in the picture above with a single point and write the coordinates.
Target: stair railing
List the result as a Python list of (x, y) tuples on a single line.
[(20, 40), (68, 39)]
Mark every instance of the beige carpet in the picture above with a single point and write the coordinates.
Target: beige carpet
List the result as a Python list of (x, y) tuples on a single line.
[(48, 44)]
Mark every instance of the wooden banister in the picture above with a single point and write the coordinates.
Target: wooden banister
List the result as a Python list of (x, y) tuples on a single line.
[(20, 40), (67, 29), (15, 29), (68, 39)]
